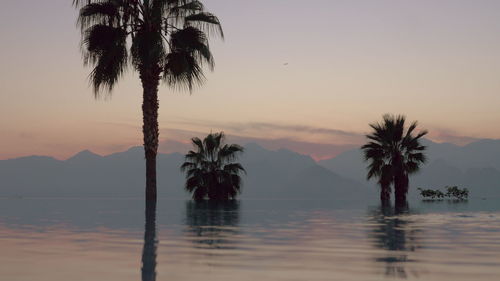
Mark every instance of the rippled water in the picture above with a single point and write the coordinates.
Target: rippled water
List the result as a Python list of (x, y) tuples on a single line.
[(102, 239)]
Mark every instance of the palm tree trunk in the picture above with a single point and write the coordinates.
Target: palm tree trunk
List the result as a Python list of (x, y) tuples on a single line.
[(401, 189), (400, 181), (385, 195), (150, 81), (400, 197)]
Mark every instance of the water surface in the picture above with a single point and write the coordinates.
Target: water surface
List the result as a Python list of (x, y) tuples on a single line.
[(115, 239)]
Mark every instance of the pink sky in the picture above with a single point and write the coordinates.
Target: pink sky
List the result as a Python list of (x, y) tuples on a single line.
[(348, 62)]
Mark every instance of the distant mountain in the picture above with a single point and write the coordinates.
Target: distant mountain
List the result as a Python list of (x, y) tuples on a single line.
[(83, 156), (270, 174), (273, 174), (286, 174), (475, 166)]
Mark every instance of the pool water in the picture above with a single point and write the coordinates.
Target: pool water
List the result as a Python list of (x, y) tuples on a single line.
[(119, 239)]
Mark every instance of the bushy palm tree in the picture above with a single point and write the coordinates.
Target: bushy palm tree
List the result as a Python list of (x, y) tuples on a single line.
[(160, 39), (211, 172), (394, 152)]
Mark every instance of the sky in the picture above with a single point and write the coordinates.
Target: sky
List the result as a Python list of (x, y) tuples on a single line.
[(304, 75)]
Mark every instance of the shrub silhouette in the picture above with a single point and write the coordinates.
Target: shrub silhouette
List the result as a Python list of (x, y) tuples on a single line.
[(452, 192)]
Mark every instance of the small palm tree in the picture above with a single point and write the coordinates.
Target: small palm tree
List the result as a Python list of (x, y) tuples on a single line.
[(160, 39), (211, 172), (394, 153)]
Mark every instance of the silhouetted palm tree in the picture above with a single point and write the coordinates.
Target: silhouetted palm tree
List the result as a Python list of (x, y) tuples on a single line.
[(211, 172), (161, 39), (394, 153)]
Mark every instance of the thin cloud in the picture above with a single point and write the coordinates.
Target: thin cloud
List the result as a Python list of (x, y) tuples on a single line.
[(318, 151), (318, 142), (261, 129), (295, 128), (444, 135)]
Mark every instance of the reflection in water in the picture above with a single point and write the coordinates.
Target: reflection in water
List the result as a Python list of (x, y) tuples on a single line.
[(213, 224), (393, 231), (267, 240), (148, 269)]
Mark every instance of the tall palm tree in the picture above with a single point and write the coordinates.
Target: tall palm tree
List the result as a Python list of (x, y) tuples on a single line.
[(160, 39), (394, 152), (211, 172)]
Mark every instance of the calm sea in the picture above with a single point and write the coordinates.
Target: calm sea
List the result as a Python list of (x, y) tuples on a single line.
[(117, 240)]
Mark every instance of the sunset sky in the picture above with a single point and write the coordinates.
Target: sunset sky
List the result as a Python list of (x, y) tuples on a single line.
[(303, 75)]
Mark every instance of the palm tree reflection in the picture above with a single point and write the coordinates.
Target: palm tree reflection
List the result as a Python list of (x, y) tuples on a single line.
[(394, 232), (148, 269), (213, 224)]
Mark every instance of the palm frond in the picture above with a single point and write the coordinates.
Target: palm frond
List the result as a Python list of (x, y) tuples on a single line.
[(412, 166), (375, 168), (418, 158), (104, 13), (188, 166), (410, 129), (105, 49), (187, 7), (182, 70), (192, 183), (229, 152), (207, 22), (195, 156), (198, 143), (193, 41), (234, 168), (421, 134)]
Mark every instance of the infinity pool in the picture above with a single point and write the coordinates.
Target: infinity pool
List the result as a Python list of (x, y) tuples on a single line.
[(104, 239)]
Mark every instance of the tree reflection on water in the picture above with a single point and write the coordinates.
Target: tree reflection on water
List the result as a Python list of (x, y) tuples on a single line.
[(149, 251), (213, 224), (394, 232)]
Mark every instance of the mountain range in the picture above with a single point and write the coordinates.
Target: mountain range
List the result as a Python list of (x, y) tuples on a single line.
[(271, 174)]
